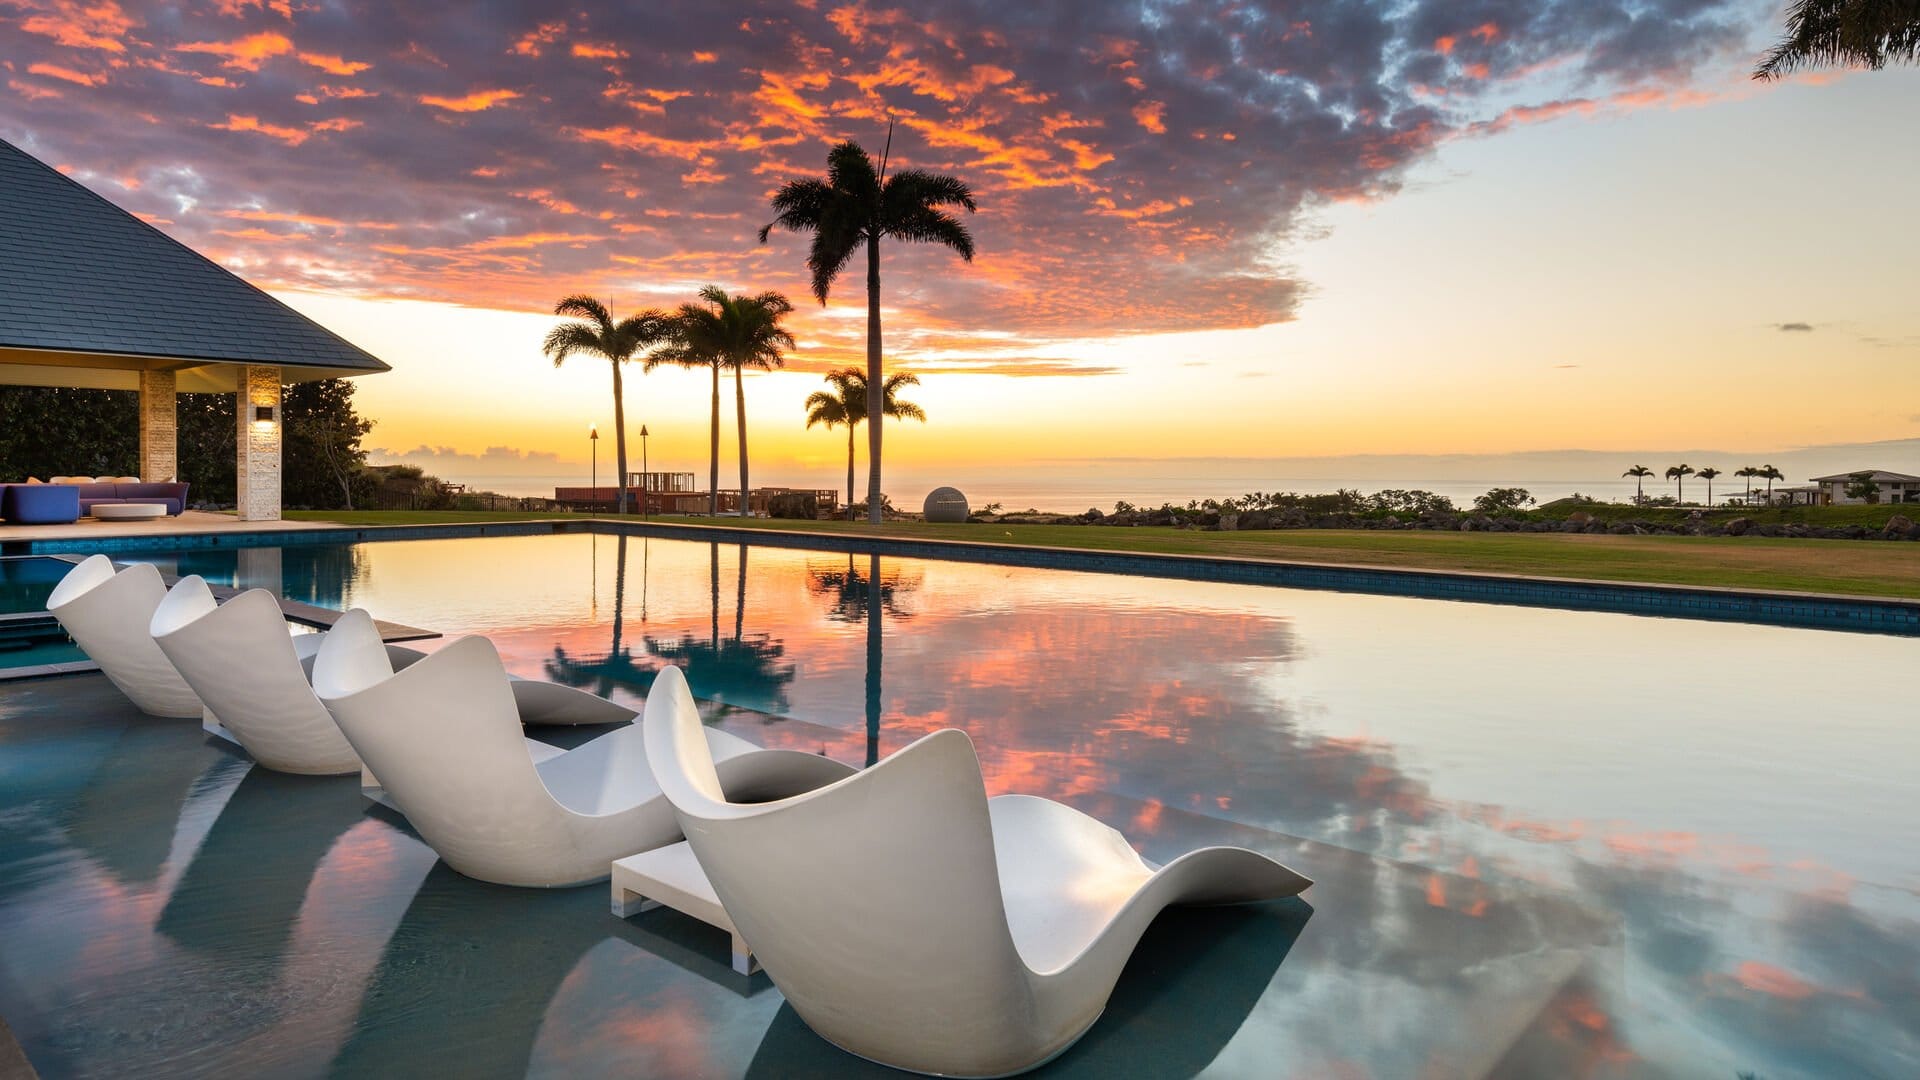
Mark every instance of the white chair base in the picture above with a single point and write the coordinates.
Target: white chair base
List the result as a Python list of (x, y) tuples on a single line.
[(371, 789), (671, 877)]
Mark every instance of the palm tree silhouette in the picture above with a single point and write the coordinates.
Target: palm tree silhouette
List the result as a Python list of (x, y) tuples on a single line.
[(742, 671), (617, 666), (1678, 474), (1844, 33), (1639, 474), (1770, 474), (850, 406), (1707, 474), (737, 332), (616, 342), (834, 409), (859, 204), (1747, 473)]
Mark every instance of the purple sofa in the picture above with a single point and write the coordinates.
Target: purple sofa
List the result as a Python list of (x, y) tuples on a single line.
[(39, 504), (173, 495)]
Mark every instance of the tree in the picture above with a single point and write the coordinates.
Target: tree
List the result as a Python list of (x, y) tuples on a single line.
[(1860, 486), (1639, 474), (1747, 473), (614, 342), (1844, 33), (859, 204), (1770, 474), (1678, 474), (323, 435), (1502, 500), (836, 409), (729, 331), (1707, 474)]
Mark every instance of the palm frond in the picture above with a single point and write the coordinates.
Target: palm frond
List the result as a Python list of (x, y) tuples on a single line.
[(929, 226), (910, 188), (833, 247), (850, 171), (798, 206), (568, 338), (1843, 33), (581, 306)]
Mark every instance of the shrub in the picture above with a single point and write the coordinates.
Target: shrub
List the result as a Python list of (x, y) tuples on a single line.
[(1503, 501)]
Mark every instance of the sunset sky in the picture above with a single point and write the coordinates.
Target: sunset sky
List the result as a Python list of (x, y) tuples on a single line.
[(1205, 229)]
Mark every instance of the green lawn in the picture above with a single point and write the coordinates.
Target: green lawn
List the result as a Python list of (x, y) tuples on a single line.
[(1855, 567)]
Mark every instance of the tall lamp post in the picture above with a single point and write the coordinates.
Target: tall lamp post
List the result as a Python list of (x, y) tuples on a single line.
[(593, 440), (646, 478)]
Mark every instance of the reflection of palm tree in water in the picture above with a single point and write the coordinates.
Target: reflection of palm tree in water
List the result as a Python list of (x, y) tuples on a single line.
[(616, 667), (853, 598), (741, 671)]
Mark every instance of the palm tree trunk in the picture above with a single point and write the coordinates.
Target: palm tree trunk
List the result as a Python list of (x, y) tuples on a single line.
[(619, 593), (619, 442), (740, 408), (713, 567), (875, 384), (740, 597), (873, 660), (850, 427), (713, 459)]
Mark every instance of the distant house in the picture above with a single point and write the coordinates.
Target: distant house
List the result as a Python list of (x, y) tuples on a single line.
[(1894, 487)]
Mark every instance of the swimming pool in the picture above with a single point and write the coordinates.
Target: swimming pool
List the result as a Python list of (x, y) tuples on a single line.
[(1545, 840)]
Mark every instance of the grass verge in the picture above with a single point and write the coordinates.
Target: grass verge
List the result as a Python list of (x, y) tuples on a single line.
[(1856, 568)]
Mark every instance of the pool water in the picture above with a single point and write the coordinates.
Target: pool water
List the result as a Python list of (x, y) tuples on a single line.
[(28, 636), (1545, 842)]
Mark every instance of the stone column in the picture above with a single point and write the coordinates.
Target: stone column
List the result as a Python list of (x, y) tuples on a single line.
[(159, 427), (258, 444)]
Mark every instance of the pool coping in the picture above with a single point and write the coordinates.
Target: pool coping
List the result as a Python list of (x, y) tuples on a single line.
[(1824, 611)]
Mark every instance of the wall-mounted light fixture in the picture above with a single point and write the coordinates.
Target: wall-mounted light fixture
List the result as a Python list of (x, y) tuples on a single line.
[(263, 416)]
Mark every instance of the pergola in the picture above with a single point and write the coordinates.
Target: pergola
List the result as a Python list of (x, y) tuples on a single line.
[(93, 297)]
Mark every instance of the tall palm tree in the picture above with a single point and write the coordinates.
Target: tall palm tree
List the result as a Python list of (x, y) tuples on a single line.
[(1678, 474), (859, 204), (600, 336), (737, 332), (1747, 473), (837, 408), (851, 404), (1853, 33), (1770, 474), (1639, 474), (1707, 474)]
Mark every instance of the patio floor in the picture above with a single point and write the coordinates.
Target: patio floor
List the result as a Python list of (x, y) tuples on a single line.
[(189, 523)]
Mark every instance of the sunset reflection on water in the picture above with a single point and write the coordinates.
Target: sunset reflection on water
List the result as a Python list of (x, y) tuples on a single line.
[(1733, 797)]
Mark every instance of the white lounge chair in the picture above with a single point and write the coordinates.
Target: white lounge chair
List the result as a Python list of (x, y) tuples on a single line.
[(913, 921), (107, 615), (445, 741), (253, 677)]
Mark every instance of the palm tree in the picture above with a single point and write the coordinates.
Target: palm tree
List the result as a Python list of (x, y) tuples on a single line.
[(1747, 473), (859, 204), (837, 408), (1678, 474), (850, 406), (1639, 474), (731, 331), (1853, 33), (1707, 474), (1770, 474), (616, 342)]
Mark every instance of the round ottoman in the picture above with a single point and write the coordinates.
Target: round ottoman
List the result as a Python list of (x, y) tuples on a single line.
[(127, 511)]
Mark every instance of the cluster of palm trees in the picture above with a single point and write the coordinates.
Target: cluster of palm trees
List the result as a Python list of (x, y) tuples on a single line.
[(846, 405), (857, 204), (1679, 473)]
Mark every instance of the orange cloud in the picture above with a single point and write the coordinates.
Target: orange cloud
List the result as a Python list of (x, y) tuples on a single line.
[(598, 52), (627, 138), (703, 57), (79, 24), (259, 234), (1149, 115), (338, 123), (474, 102), (54, 71), (243, 54), (30, 91), (531, 43), (290, 136), (333, 65)]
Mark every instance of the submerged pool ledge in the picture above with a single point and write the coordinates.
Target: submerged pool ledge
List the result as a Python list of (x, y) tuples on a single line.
[(1824, 611)]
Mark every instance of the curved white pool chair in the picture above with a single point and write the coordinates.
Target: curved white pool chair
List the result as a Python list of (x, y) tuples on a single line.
[(107, 614), (241, 660), (913, 921), (444, 739)]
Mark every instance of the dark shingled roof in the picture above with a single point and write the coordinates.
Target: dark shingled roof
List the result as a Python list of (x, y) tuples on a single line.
[(79, 274)]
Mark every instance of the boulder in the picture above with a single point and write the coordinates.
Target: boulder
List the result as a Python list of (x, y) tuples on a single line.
[(1739, 526), (1898, 525), (1257, 519), (1229, 522), (1580, 518)]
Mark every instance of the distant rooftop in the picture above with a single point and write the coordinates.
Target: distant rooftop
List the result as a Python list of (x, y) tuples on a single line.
[(1880, 476), (83, 278)]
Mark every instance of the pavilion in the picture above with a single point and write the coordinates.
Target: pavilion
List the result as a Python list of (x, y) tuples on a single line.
[(93, 297)]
